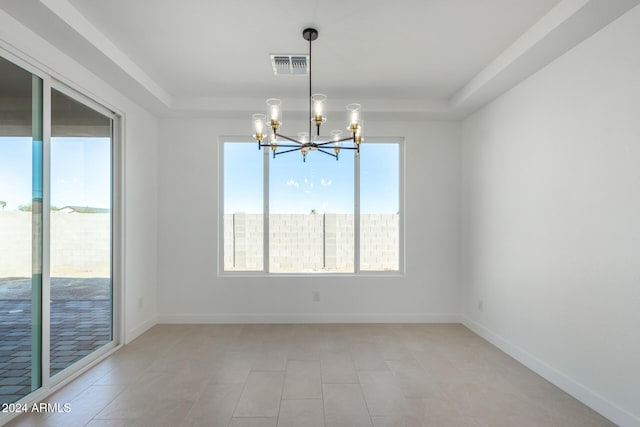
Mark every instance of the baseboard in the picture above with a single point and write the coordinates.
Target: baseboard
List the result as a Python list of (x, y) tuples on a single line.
[(140, 329), (559, 379), (310, 318)]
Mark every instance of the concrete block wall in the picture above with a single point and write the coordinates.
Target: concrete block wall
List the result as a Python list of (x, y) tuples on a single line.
[(296, 243), (246, 241), (80, 244), (379, 242), (311, 242)]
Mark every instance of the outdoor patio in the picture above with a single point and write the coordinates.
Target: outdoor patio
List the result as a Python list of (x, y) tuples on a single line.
[(80, 324)]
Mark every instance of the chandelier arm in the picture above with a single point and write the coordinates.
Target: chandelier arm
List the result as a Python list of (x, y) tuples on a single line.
[(289, 139), (333, 142), (281, 146), (348, 148), (328, 153), (287, 151)]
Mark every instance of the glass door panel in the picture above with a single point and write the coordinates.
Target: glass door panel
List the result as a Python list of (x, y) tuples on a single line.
[(80, 240), (20, 232)]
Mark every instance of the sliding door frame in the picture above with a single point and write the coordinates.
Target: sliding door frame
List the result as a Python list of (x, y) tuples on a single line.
[(51, 80), (116, 235)]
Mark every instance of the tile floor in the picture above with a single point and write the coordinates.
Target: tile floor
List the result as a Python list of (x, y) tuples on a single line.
[(312, 375)]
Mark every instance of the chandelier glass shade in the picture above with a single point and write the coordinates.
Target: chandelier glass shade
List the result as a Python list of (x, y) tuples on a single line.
[(266, 125)]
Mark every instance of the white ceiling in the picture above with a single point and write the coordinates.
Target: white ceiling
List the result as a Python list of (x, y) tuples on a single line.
[(439, 57)]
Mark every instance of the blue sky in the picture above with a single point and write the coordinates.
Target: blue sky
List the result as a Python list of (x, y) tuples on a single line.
[(80, 172), (320, 183), (80, 176)]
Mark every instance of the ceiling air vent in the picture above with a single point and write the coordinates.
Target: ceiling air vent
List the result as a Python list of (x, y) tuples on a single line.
[(289, 65)]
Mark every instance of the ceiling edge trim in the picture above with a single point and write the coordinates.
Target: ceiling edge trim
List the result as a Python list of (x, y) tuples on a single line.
[(566, 25), (72, 17)]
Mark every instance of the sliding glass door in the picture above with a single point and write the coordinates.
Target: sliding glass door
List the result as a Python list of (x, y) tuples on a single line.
[(80, 237), (20, 232), (56, 231)]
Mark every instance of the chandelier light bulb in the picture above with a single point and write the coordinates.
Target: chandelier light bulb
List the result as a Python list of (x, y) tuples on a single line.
[(336, 135), (274, 112), (354, 117), (258, 126), (318, 100), (358, 136)]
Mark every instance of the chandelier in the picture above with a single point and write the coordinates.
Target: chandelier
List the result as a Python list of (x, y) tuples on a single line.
[(306, 141)]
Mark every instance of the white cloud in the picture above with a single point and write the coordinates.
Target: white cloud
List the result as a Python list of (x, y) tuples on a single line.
[(325, 183), (292, 183)]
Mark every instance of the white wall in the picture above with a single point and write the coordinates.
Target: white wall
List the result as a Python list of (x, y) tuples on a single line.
[(140, 152), (190, 289), (551, 221)]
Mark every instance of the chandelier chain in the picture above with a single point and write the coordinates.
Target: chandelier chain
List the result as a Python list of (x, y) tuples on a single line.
[(310, 92)]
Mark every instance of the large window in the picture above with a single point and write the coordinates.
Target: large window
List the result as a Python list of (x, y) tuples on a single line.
[(283, 215)]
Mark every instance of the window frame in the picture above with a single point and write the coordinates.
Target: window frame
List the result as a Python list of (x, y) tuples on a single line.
[(400, 141)]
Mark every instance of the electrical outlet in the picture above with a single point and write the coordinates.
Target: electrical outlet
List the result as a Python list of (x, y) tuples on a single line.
[(315, 297), (480, 305)]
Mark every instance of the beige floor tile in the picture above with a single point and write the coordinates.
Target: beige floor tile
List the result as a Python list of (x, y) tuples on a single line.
[(409, 375), (261, 395), (440, 412), (271, 360), (381, 392), (301, 413), (366, 356), (344, 406), (232, 368), (109, 423), (82, 408), (136, 411), (165, 413), (304, 348), (85, 406), (128, 405), (413, 380), (215, 406), (125, 372), (438, 367), (302, 380), (337, 367), (29, 420), (254, 422), (397, 421), (567, 411)]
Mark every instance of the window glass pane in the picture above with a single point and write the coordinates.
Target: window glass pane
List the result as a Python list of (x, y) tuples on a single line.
[(81, 288), (20, 232), (379, 207), (243, 206), (311, 213)]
